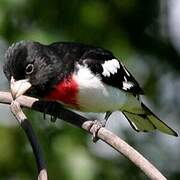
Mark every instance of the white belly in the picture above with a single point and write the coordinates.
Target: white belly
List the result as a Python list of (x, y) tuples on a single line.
[(95, 96)]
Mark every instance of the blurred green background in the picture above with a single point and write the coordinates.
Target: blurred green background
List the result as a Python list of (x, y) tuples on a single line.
[(145, 36)]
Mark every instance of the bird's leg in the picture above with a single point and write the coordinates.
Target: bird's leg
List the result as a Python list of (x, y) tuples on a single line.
[(49, 107), (96, 125), (53, 118), (107, 115), (44, 115)]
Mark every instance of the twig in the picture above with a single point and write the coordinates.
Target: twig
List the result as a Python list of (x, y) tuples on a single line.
[(25, 124), (117, 143)]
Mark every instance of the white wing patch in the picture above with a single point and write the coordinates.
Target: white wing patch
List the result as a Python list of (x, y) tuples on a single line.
[(110, 67), (127, 85)]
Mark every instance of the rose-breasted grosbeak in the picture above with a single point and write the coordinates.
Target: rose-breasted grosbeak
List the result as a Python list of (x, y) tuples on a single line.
[(80, 77)]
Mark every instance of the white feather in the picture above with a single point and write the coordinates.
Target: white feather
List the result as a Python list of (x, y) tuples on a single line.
[(110, 67), (127, 85)]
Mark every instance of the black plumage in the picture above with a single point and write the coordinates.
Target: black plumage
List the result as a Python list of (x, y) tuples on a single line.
[(43, 67), (64, 56)]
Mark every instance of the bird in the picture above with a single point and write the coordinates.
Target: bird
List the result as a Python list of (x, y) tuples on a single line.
[(80, 77)]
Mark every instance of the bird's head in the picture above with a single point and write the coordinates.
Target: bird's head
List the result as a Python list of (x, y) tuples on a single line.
[(30, 67)]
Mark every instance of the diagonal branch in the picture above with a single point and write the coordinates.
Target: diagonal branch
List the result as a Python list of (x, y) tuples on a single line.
[(116, 142)]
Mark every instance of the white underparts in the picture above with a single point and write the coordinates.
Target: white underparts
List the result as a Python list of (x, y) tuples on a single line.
[(110, 67), (94, 95)]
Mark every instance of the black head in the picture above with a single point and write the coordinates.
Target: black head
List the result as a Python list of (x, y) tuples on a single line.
[(33, 62)]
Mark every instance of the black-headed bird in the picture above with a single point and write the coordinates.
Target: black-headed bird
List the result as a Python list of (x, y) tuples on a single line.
[(81, 77)]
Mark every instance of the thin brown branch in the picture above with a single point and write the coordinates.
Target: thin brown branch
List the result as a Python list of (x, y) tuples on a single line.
[(116, 142), (25, 124)]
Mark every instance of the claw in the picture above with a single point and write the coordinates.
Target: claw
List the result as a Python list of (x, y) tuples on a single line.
[(49, 107), (96, 125), (53, 119)]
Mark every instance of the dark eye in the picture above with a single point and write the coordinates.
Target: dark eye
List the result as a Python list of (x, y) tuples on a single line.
[(29, 69)]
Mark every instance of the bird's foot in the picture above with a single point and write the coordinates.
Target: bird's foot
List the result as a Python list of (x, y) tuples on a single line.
[(94, 128), (49, 107), (52, 118)]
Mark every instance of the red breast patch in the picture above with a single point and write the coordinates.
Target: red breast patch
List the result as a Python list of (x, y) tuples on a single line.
[(65, 91)]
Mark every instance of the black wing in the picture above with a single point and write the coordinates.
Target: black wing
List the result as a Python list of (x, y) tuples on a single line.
[(111, 70)]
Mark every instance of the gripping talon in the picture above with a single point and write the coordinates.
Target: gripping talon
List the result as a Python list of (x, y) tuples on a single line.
[(48, 108), (96, 125), (53, 119)]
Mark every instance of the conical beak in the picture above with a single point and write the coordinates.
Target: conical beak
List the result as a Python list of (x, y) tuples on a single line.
[(19, 87)]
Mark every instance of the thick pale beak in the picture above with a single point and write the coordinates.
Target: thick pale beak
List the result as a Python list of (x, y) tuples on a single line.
[(19, 87)]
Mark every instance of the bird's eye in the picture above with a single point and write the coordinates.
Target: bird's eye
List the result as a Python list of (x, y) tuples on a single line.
[(29, 69)]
